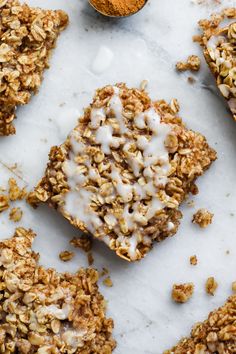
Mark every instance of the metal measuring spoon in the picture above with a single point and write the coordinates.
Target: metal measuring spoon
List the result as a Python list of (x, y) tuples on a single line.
[(116, 16)]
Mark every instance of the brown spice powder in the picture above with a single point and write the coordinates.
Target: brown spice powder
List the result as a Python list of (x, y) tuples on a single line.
[(118, 7)]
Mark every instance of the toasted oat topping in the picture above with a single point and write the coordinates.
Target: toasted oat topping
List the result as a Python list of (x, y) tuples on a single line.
[(43, 311), (66, 256), (193, 63), (203, 218), (211, 286), (181, 293), (193, 260), (219, 42), (216, 335), (15, 214), (27, 38), (124, 170)]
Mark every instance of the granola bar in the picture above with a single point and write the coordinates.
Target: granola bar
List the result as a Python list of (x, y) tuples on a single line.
[(27, 37), (216, 335), (43, 311), (219, 50), (124, 170)]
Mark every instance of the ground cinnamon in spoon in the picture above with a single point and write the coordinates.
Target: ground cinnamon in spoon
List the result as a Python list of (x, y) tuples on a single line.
[(118, 7)]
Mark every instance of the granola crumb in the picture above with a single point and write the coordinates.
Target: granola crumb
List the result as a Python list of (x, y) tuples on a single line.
[(84, 242), (14, 191), (104, 272), (108, 282), (4, 202), (15, 214), (211, 286), (90, 258), (203, 218), (193, 260), (191, 204), (234, 286), (191, 80), (215, 335), (66, 256), (193, 63), (181, 293), (44, 311)]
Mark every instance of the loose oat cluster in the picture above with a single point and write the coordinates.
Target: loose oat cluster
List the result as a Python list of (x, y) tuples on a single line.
[(219, 50), (214, 336), (124, 170), (27, 38), (203, 218), (45, 312), (193, 63), (181, 293)]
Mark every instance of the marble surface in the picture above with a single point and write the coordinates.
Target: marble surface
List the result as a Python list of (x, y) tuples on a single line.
[(145, 46)]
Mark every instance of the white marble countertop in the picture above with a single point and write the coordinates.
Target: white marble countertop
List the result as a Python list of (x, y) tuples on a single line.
[(145, 46)]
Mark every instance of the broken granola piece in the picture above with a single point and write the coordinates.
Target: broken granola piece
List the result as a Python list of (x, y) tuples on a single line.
[(4, 202), (211, 286), (219, 50), (215, 335), (84, 242), (43, 311), (14, 191), (203, 218), (124, 170), (193, 63), (66, 256), (15, 214), (193, 260), (181, 293), (27, 38)]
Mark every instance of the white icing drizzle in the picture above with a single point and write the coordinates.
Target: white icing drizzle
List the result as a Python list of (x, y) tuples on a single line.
[(170, 226), (98, 115), (148, 159), (77, 204), (117, 107), (105, 138)]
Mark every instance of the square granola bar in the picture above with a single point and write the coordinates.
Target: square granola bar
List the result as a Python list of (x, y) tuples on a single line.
[(27, 37), (219, 43), (124, 170), (45, 312), (215, 335)]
